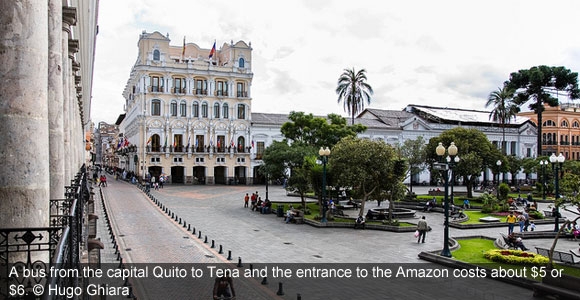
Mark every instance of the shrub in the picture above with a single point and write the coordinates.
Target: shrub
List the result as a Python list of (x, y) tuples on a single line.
[(504, 190), (307, 212), (534, 214), (515, 257), (490, 203), (317, 217), (393, 222)]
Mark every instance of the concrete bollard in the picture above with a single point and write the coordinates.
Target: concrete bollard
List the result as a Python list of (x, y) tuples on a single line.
[(280, 291), (240, 262), (179, 220)]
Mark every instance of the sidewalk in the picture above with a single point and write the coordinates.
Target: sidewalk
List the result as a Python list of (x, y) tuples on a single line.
[(146, 235)]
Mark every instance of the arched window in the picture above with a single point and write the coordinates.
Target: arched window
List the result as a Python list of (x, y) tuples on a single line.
[(195, 109), (576, 124), (549, 123), (183, 108), (204, 110), (155, 108), (226, 111), (241, 62), (174, 108), (216, 110), (241, 144), (564, 124), (241, 111), (156, 55), (155, 143), (544, 138)]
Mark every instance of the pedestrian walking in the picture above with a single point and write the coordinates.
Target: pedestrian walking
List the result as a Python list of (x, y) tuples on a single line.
[(511, 220), (246, 200), (422, 227)]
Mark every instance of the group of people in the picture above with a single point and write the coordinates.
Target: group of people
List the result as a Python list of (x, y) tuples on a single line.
[(573, 229), (430, 205), (523, 220), (263, 207), (156, 183)]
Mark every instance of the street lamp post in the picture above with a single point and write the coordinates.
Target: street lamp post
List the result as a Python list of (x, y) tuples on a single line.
[(498, 163), (557, 162), (452, 151), (324, 153)]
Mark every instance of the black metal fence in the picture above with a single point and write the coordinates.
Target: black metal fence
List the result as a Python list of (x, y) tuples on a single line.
[(40, 248)]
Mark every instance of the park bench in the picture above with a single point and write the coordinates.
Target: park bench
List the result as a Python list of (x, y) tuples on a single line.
[(558, 255), (507, 242)]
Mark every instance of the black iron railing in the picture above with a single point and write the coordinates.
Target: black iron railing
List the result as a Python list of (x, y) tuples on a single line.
[(39, 248)]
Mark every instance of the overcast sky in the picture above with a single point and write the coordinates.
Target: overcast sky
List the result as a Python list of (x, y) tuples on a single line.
[(440, 53)]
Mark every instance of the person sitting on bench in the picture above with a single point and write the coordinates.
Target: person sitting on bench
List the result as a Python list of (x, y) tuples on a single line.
[(517, 242), (360, 222), (289, 214)]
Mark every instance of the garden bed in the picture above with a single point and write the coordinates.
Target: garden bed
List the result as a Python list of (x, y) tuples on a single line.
[(349, 223)]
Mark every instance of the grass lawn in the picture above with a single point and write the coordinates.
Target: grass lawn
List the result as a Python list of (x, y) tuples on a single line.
[(471, 251), (475, 215), (525, 195)]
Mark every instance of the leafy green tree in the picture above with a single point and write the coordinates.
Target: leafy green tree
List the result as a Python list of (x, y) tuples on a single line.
[(476, 153), (414, 153), (503, 109), (570, 185), (572, 166), (540, 84), (530, 166), (364, 165), (291, 162), (318, 131), (353, 91), (515, 166)]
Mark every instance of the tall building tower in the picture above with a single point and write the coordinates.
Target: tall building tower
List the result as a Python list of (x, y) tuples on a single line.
[(188, 111)]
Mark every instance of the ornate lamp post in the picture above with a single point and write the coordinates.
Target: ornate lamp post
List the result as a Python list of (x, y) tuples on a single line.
[(498, 163), (452, 151), (557, 162), (324, 153)]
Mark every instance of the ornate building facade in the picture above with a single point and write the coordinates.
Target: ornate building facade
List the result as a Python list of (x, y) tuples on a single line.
[(560, 130), (188, 111)]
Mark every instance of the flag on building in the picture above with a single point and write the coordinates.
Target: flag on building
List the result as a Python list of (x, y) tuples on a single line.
[(196, 143), (188, 139), (232, 142), (218, 143), (212, 51), (119, 144), (165, 145), (252, 143), (174, 142), (126, 142), (183, 51), (149, 140)]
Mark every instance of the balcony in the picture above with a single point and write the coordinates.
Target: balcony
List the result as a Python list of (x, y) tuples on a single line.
[(201, 92), (200, 149), (243, 149), (242, 94), (153, 148), (220, 93), (176, 149), (177, 90), (156, 89), (259, 156)]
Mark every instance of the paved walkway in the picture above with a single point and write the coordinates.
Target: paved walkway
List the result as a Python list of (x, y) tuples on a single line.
[(146, 235)]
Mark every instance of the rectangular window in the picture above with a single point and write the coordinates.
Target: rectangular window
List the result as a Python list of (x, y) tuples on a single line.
[(199, 159), (183, 108), (179, 85), (155, 84), (259, 150), (513, 148), (221, 143), (156, 108), (528, 152), (241, 111), (200, 87), (196, 110), (221, 160), (241, 91), (174, 109), (204, 110), (178, 143), (241, 159), (199, 143)]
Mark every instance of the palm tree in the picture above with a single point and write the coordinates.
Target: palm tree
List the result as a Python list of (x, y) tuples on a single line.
[(353, 91), (503, 109)]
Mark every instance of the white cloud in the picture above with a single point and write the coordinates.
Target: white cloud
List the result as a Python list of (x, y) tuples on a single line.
[(444, 53)]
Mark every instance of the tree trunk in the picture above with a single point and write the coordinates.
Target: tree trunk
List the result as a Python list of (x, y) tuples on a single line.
[(362, 205), (539, 150), (391, 206), (411, 182), (303, 202), (469, 187)]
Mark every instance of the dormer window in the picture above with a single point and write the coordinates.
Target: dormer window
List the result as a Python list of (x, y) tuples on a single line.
[(156, 55), (241, 62)]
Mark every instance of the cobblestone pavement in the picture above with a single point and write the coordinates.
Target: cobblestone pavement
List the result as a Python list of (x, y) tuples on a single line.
[(146, 235)]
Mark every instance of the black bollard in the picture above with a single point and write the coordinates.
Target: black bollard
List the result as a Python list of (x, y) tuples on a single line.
[(172, 215), (212, 243), (189, 227), (240, 262), (193, 230), (184, 224), (265, 280), (179, 221), (199, 236), (119, 256), (298, 297), (280, 290), (205, 241), (229, 254), (221, 250)]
